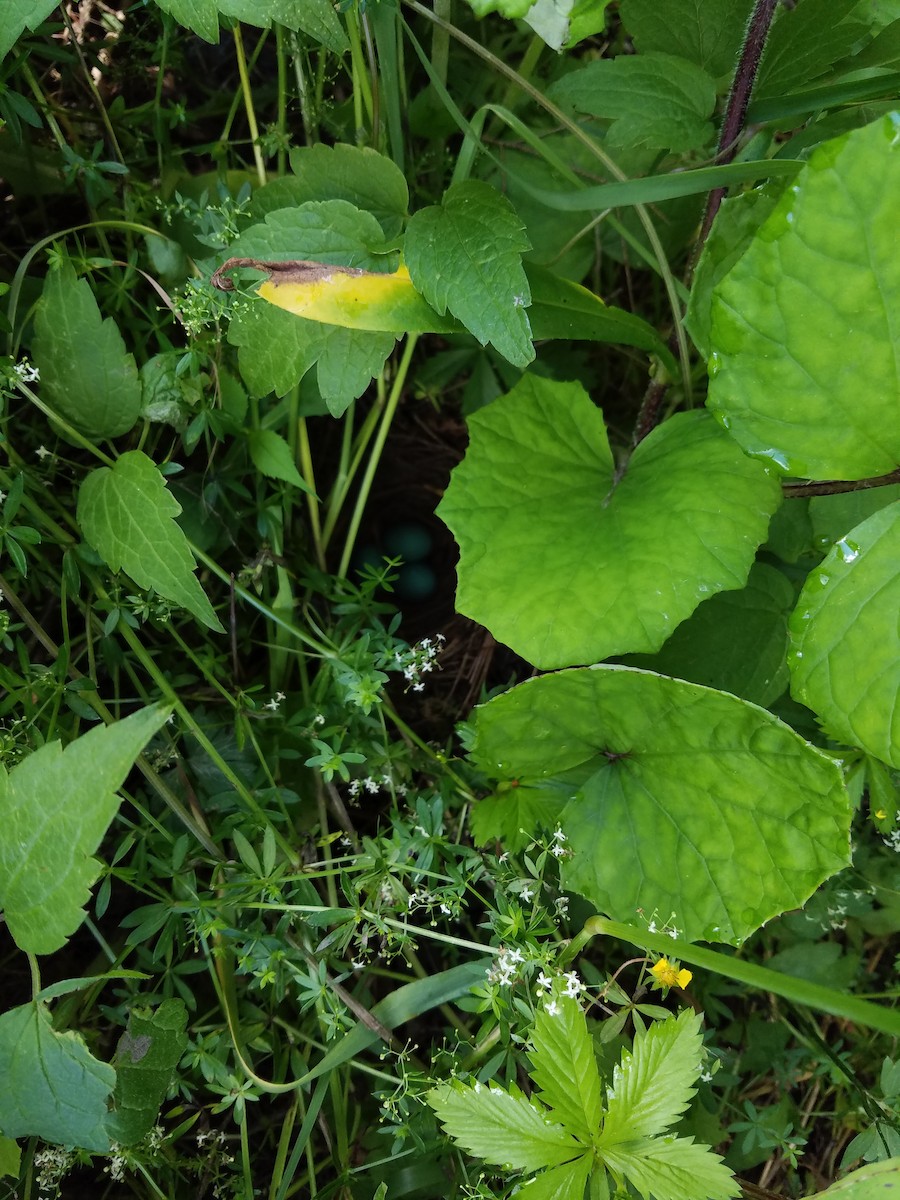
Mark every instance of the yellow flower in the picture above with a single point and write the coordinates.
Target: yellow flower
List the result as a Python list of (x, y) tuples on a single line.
[(668, 974), (879, 814)]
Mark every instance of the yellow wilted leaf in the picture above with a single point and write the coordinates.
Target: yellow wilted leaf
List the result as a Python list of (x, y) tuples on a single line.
[(344, 296)]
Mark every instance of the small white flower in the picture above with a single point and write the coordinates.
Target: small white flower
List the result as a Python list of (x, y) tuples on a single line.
[(558, 835), (527, 894), (445, 909), (545, 981), (553, 1008), (42, 452), (318, 719), (573, 984), (515, 956), (557, 851)]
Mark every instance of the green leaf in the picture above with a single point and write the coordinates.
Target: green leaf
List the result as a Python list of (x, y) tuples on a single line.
[(128, 516), (824, 404), (845, 663), (566, 565), (501, 1128), (53, 1087), (736, 222), (465, 256), (356, 174), (565, 1182), (672, 1168), (653, 100), (326, 231), (654, 1083), (86, 374), (805, 41), (10, 1157), (315, 17), (147, 1055), (563, 1067), (875, 1181), (832, 517), (276, 349), (55, 807), (682, 799), (567, 311), (272, 456), (735, 642), (706, 32), (883, 51), (20, 15), (513, 9), (200, 15)]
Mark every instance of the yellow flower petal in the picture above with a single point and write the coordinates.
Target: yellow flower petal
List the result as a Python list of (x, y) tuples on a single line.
[(669, 975)]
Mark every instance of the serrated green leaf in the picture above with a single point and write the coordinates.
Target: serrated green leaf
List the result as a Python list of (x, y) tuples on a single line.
[(325, 231), (705, 32), (53, 1087), (55, 806), (754, 821), (656, 101), (272, 456), (564, 1068), (825, 404), (20, 15), (276, 349), (128, 516), (565, 1182), (200, 15), (875, 1181), (566, 565), (356, 174), (735, 642), (671, 1168), (804, 42), (465, 256), (10, 1157), (508, 1130), (87, 376), (654, 1082), (147, 1054), (317, 18), (845, 662)]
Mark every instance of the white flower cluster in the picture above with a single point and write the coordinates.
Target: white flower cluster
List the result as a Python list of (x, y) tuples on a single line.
[(52, 1165), (372, 785), (421, 898), (504, 970), (573, 989), (26, 372), (418, 660)]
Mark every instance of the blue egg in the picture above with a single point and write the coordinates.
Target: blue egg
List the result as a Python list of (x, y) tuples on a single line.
[(408, 540), (415, 581)]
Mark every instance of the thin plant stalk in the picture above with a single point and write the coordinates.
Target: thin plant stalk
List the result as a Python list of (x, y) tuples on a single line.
[(247, 94), (375, 457)]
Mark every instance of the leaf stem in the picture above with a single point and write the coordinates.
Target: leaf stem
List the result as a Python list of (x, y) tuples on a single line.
[(375, 457), (738, 99), (248, 104), (834, 487)]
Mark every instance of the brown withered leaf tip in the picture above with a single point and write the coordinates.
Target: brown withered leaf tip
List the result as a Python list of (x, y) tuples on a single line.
[(298, 270)]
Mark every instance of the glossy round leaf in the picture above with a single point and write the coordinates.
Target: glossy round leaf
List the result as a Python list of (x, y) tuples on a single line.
[(680, 799), (566, 565), (845, 664), (804, 368)]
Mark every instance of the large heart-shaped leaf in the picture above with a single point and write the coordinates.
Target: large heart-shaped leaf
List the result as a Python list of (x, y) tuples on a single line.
[(804, 368), (565, 564), (845, 664), (674, 798)]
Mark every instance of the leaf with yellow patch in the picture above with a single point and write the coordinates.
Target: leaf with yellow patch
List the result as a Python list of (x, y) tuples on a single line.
[(346, 296)]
